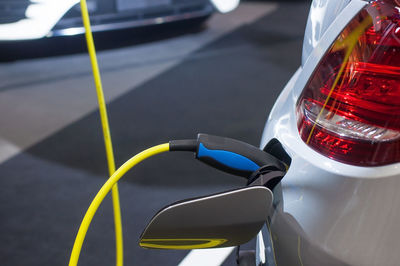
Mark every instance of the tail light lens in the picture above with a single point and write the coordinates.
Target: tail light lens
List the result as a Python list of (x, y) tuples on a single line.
[(350, 108)]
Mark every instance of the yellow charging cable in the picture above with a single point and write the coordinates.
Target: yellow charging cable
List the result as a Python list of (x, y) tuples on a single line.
[(80, 237), (119, 246)]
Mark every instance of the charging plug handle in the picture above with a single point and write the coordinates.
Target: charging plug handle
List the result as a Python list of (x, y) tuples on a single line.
[(229, 155)]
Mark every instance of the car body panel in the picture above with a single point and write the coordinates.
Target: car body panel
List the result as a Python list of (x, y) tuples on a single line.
[(327, 212), (322, 14)]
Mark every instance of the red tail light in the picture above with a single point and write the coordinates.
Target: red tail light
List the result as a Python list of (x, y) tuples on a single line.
[(350, 108)]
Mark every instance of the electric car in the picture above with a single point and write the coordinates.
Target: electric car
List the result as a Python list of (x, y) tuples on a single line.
[(35, 19), (337, 125)]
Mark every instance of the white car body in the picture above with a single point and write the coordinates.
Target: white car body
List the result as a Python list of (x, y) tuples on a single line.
[(327, 212)]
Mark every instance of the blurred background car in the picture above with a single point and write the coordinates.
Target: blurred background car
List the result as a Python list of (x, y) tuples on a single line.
[(35, 19)]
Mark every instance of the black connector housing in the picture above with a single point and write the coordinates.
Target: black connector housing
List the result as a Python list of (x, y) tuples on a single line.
[(229, 155)]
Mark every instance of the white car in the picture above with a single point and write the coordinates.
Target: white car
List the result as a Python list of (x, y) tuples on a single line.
[(337, 124)]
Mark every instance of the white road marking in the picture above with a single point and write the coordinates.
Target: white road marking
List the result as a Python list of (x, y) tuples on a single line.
[(7, 149), (206, 257)]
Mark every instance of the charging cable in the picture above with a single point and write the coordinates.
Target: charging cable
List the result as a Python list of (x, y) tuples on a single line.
[(106, 133), (225, 154), (76, 250)]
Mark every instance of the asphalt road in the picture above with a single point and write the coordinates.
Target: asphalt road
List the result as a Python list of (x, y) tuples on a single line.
[(221, 79)]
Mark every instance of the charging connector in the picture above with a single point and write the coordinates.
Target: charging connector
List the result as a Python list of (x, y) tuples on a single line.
[(229, 155)]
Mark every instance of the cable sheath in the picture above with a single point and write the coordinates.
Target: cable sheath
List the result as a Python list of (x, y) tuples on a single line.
[(119, 244), (87, 219)]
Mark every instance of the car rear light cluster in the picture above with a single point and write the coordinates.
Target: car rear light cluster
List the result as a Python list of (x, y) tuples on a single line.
[(350, 108)]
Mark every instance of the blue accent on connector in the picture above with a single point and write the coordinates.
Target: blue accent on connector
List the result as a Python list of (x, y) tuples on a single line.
[(227, 158)]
